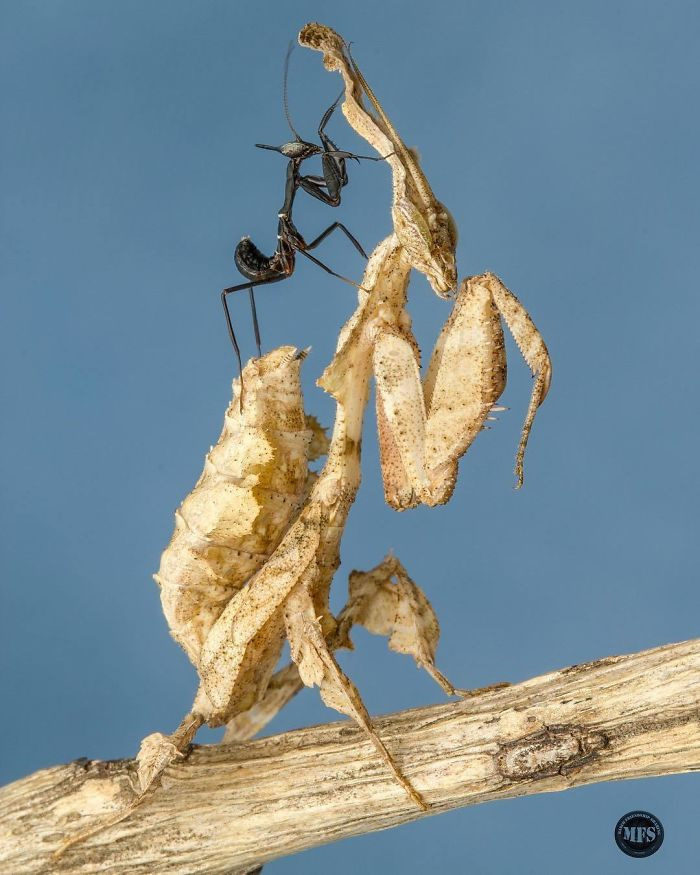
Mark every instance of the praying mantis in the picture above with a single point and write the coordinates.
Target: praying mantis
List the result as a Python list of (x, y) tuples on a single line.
[(257, 542), (424, 425)]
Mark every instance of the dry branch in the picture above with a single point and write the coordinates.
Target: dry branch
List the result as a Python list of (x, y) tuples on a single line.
[(228, 807)]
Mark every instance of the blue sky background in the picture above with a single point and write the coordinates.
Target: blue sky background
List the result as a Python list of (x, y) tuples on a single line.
[(564, 139)]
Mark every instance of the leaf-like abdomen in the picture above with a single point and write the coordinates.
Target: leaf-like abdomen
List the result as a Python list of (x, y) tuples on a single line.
[(249, 491)]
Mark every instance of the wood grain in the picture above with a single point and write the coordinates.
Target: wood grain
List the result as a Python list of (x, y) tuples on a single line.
[(228, 808)]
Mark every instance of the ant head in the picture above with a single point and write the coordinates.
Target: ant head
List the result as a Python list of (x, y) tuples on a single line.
[(300, 149)]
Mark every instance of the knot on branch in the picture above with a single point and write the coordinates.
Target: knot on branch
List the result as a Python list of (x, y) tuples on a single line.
[(554, 750)]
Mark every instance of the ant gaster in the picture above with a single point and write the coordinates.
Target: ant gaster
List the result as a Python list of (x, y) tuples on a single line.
[(260, 269)]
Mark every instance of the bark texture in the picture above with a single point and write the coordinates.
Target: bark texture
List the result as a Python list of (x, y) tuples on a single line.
[(227, 808)]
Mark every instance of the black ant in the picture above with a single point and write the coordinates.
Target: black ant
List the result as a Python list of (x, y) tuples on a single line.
[(261, 269)]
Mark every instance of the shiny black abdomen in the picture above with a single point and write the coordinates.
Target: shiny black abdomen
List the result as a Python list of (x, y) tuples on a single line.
[(256, 266)]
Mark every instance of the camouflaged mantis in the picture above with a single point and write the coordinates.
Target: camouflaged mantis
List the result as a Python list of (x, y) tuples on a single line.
[(235, 648), (257, 542), (250, 564)]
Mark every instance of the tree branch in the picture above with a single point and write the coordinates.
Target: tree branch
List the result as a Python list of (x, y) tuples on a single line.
[(228, 807)]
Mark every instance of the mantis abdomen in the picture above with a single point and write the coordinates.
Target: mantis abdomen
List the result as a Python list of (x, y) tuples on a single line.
[(250, 490)]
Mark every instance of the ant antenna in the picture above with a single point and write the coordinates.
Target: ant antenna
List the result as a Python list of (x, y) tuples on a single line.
[(284, 91)]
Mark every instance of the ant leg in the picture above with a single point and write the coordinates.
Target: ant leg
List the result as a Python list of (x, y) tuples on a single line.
[(328, 113), (341, 153), (314, 188), (328, 270), (329, 147), (229, 291), (229, 325), (256, 328), (329, 230), (334, 176)]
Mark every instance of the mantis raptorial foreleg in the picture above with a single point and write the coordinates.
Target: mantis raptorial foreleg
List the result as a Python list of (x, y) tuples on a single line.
[(425, 427)]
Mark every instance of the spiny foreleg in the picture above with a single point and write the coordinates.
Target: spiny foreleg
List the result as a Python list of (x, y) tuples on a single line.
[(425, 427)]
